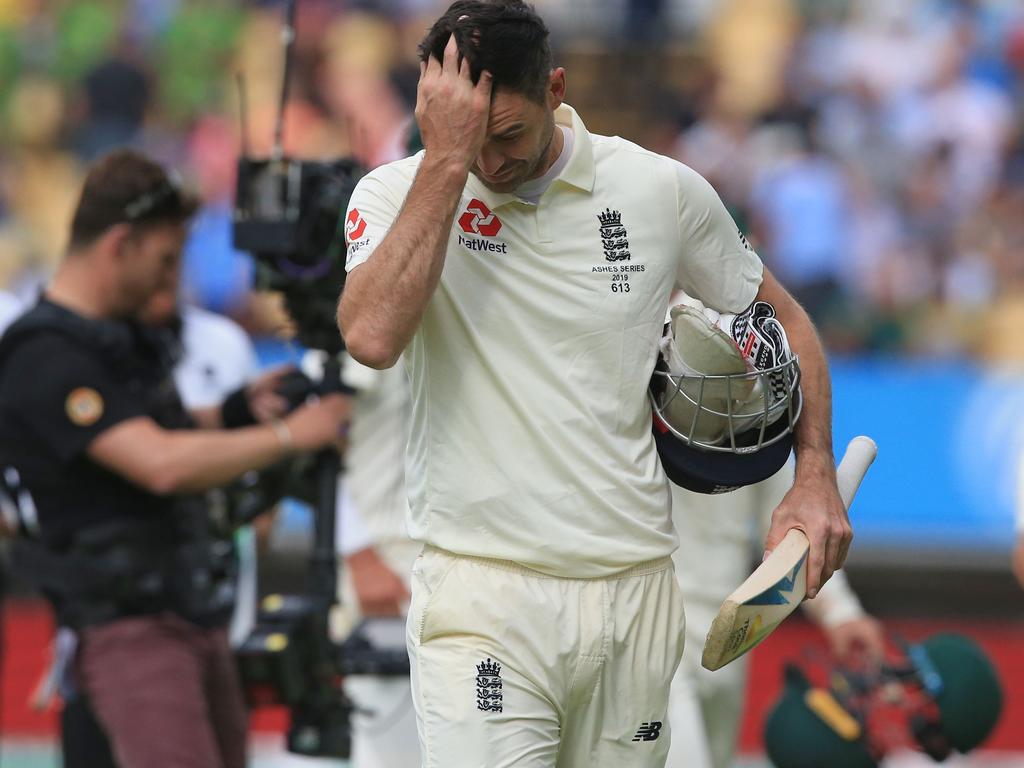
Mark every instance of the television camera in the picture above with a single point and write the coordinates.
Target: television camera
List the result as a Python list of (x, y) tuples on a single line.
[(289, 214)]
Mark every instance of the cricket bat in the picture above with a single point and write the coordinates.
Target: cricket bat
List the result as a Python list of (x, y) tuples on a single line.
[(779, 584)]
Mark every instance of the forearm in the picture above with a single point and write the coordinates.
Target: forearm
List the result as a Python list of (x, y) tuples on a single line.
[(813, 433), (195, 460), (813, 437), (384, 300), (813, 504), (207, 418)]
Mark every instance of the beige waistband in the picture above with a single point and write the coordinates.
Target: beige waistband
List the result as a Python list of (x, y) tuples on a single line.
[(640, 569)]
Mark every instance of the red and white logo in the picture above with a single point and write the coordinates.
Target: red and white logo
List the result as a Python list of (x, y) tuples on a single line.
[(355, 225), (478, 220)]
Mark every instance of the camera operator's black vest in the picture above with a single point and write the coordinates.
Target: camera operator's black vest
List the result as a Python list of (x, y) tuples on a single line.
[(136, 565)]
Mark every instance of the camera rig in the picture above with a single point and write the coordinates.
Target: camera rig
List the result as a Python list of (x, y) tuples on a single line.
[(289, 214)]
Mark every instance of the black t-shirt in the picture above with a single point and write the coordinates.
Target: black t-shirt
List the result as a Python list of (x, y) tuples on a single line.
[(60, 390)]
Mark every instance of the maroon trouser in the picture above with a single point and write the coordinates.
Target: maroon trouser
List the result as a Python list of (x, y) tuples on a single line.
[(166, 692)]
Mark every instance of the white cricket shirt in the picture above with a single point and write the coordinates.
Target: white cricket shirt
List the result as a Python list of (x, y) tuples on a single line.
[(219, 358), (531, 429)]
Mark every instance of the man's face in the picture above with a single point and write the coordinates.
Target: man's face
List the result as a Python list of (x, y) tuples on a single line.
[(519, 133), (161, 308), (150, 264)]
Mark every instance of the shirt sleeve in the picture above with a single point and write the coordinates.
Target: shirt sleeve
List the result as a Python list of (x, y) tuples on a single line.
[(372, 210), (835, 604), (716, 263), (69, 398)]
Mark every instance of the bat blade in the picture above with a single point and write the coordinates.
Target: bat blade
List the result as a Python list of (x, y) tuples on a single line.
[(779, 584)]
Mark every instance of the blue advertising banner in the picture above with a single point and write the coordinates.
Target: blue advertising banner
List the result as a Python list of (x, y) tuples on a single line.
[(950, 466)]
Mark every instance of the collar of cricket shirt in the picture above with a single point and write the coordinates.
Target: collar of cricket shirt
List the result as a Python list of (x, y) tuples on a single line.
[(579, 172)]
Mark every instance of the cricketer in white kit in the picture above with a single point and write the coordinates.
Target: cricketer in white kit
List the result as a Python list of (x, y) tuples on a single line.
[(546, 622)]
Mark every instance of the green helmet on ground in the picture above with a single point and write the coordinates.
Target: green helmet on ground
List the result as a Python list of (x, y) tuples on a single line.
[(971, 698), (808, 729)]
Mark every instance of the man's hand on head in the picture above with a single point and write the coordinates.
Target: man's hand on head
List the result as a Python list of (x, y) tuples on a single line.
[(451, 111)]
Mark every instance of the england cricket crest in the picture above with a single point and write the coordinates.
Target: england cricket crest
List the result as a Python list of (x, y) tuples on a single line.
[(488, 686), (613, 236)]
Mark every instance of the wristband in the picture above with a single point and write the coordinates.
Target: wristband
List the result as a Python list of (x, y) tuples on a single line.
[(234, 411), (284, 434)]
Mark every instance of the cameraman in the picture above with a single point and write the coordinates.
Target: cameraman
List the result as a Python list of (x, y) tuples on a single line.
[(105, 465)]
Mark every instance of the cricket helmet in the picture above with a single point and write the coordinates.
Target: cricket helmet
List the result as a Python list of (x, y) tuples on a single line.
[(970, 698), (808, 728), (725, 396), (937, 696)]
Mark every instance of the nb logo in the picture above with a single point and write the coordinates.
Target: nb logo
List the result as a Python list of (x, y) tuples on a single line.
[(648, 731), (478, 220)]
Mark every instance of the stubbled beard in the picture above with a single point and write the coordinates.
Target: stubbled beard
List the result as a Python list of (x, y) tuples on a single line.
[(535, 167)]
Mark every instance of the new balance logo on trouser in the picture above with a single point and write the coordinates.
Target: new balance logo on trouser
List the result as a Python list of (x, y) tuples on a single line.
[(514, 668)]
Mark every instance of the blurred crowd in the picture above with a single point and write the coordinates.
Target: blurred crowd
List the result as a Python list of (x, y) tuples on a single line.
[(872, 150)]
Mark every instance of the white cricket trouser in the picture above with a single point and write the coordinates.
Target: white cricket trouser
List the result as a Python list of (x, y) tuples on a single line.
[(514, 668)]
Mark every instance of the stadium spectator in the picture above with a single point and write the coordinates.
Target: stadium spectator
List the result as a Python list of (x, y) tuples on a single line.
[(895, 85)]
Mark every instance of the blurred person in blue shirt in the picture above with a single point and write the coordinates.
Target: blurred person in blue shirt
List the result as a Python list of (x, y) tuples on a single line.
[(215, 275), (802, 215)]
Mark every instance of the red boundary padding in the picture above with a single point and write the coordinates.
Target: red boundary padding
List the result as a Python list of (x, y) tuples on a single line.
[(1002, 640), (28, 630)]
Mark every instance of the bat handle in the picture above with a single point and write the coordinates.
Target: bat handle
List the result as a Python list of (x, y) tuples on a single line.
[(858, 456), (860, 452)]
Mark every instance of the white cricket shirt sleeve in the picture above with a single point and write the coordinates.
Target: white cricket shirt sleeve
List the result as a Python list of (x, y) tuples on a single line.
[(373, 208), (716, 263), (835, 604)]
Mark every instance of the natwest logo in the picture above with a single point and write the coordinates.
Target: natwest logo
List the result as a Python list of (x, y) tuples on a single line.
[(355, 225), (478, 220)]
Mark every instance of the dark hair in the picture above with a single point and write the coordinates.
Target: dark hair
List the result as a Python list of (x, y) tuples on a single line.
[(505, 37), (127, 187)]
